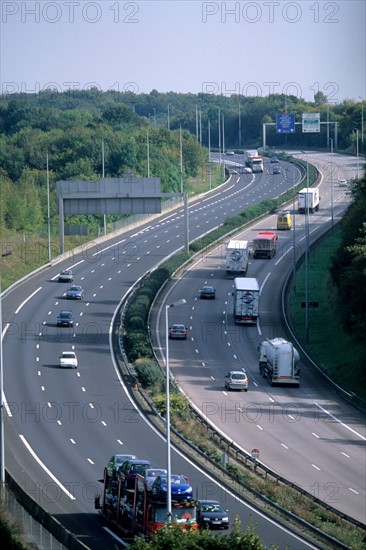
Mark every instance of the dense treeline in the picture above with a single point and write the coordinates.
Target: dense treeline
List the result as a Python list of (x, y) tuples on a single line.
[(72, 126), (348, 268)]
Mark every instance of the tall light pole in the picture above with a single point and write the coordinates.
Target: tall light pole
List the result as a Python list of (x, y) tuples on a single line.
[(181, 158), (2, 425), (48, 209), (167, 413), (358, 155), (220, 137), (197, 123), (223, 146), (209, 153), (239, 125), (361, 121), (307, 252), (200, 123), (331, 179), (103, 176), (148, 154)]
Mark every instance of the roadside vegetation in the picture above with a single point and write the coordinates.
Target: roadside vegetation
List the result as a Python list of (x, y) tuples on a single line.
[(337, 281), (11, 533), (174, 538)]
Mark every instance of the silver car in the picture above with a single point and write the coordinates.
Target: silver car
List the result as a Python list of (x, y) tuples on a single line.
[(236, 380), (116, 462), (65, 276)]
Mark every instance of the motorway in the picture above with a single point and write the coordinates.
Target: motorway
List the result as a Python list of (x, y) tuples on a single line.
[(62, 426), (309, 435)]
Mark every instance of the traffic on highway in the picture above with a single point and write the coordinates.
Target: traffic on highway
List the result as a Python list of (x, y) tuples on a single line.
[(64, 424)]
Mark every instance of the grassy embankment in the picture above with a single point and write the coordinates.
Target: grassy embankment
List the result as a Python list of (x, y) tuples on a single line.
[(331, 347)]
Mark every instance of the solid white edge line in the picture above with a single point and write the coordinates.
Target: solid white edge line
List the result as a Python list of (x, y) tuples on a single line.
[(340, 422), (115, 536), (54, 478), (26, 300)]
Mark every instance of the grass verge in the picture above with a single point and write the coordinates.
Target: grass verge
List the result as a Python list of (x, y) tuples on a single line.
[(335, 351)]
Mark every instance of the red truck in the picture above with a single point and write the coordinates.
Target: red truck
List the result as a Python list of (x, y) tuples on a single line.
[(264, 244), (135, 511)]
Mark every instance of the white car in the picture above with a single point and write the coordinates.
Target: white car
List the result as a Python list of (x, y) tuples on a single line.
[(236, 380), (68, 359), (342, 183), (230, 152)]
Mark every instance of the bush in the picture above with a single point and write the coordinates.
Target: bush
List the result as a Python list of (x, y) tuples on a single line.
[(136, 323), (148, 372), (137, 344)]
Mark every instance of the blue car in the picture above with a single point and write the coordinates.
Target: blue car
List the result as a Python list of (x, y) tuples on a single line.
[(180, 487), (75, 293)]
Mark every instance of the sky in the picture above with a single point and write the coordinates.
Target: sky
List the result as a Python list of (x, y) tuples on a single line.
[(251, 48)]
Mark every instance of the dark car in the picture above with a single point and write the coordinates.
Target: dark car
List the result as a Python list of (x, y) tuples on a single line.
[(178, 332), (180, 487), (130, 468), (211, 514), (65, 276), (208, 292), (277, 169), (75, 293), (274, 160), (65, 319), (116, 462)]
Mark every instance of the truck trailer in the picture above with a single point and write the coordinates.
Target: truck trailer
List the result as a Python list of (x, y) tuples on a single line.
[(248, 155), (237, 256), (278, 362), (135, 511), (264, 244), (246, 300), (253, 160), (308, 200)]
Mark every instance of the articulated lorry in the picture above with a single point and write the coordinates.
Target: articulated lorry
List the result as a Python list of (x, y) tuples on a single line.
[(308, 200), (253, 160), (135, 511), (237, 256), (246, 300), (278, 362), (264, 244)]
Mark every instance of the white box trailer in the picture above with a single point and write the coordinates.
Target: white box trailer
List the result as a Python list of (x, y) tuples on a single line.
[(308, 199), (237, 257), (246, 300)]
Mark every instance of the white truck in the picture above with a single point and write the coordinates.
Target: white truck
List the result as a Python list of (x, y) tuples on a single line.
[(246, 300), (278, 362), (237, 256), (253, 160), (248, 155), (308, 199)]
